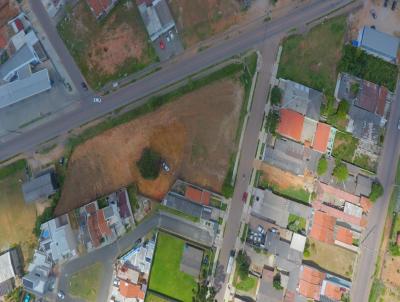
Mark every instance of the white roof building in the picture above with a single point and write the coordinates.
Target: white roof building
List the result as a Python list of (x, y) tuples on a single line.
[(298, 242), (6, 267)]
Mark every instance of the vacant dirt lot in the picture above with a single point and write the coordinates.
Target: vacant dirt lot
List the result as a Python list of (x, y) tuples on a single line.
[(285, 180), (391, 271), (199, 19), (194, 134), (342, 263), (16, 218), (107, 49)]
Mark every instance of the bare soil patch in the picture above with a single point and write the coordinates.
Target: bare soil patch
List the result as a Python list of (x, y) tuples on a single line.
[(391, 271), (194, 134), (285, 180)]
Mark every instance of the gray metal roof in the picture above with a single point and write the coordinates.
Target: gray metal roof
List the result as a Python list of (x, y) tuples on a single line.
[(302, 99), (19, 90), (157, 18), (267, 292), (39, 188), (21, 58), (276, 209), (379, 43), (191, 260), (180, 203), (363, 185), (364, 124)]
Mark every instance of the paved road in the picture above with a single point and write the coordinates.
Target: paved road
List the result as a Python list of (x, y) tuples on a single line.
[(108, 254), (171, 72), (376, 221)]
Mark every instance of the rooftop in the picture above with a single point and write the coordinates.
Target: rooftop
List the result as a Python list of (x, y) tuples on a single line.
[(301, 99), (191, 260), (197, 195), (310, 282), (363, 187), (6, 267), (321, 137), (291, 124), (130, 290), (267, 292), (24, 56), (39, 188), (344, 235), (378, 43), (323, 227), (364, 124)]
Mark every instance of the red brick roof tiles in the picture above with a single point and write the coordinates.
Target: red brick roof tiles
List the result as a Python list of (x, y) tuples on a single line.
[(319, 206), (310, 282), (291, 124), (323, 227), (130, 290), (198, 196), (321, 138), (344, 235), (332, 291), (339, 194)]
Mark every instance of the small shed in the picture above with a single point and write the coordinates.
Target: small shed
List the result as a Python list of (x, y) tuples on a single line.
[(39, 188)]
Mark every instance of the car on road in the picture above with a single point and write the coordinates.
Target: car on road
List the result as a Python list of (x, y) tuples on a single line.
[(84, 86), (171, 34), (162, 44), (244, 197), (61, 295), (97, 99), (230, 262)]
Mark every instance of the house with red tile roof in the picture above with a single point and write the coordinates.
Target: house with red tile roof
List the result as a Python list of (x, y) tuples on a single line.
[(198, 195), (344, 235), (101, 8), (321, 286), (323, 227), (131, 291), (321, 138), (290, 124)]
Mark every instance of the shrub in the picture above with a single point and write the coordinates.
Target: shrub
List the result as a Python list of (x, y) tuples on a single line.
[(149, 164), (343, 109), (272, 122), (322, 165), (44, 217), (277, 282), (276, 95), (357, 62), (340, 172), (243, 264), (376, 191), (355, 88)]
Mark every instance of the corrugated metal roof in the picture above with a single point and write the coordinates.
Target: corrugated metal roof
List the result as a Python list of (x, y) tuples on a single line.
[(22, 57), (6, 268), (379, 43), (38, 188), (19, 90)]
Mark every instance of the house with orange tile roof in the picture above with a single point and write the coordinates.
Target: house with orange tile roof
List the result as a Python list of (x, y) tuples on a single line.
[(100, 8), (323, 227), (131, 292), (290, 124), (323, 138), (321, 286)]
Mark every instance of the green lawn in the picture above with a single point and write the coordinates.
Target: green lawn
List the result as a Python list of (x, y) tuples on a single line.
[(80, 31), (344, 146), (151, 297), (249, 284), (85, 283), (166, 277), (312, 59)]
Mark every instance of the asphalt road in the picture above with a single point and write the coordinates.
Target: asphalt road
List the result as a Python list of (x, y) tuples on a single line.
[(376, 221), (171, 72), (109, 253)]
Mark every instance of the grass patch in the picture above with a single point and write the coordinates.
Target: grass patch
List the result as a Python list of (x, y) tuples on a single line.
[(296, 223), (227, 187), (312, 59), (364, 162), (12, 168), (177, 213), (152, 297), (377, 290), (166, 277), (244, 233), (47, 149), (85, 283), (357, 62), (248, 284), (344, 146), (132, 194), (80, 31)]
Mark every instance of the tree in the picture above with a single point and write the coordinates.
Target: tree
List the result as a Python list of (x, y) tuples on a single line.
[(340, 171), (343, 109), (354, 88), (204, 293), (243, 264), (322, 165), (276, 282), (376, 191), (149, 164), (272, 122), (276, 95)]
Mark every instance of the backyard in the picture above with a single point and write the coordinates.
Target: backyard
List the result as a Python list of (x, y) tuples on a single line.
[(152, 297), (108, 49), (166, 277), (174, 130), (284, 183), (345, 146), (85, 283), (17, 218), (321, 254), (312, 59)]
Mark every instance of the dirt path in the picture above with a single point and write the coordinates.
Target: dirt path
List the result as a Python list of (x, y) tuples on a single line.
[(195, 135)]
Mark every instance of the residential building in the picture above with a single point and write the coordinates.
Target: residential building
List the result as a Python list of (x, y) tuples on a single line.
[(192, 259), (39, 188), (290, 124), (276, 209), (379, 44), (10, 267), (131, 292), (37, 280), (57, 239), (100, 8), (321, 286), (140, 258), (301, 99), (22, 58), (31, 40), (23, 88), (291, 156), (156, 17)]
